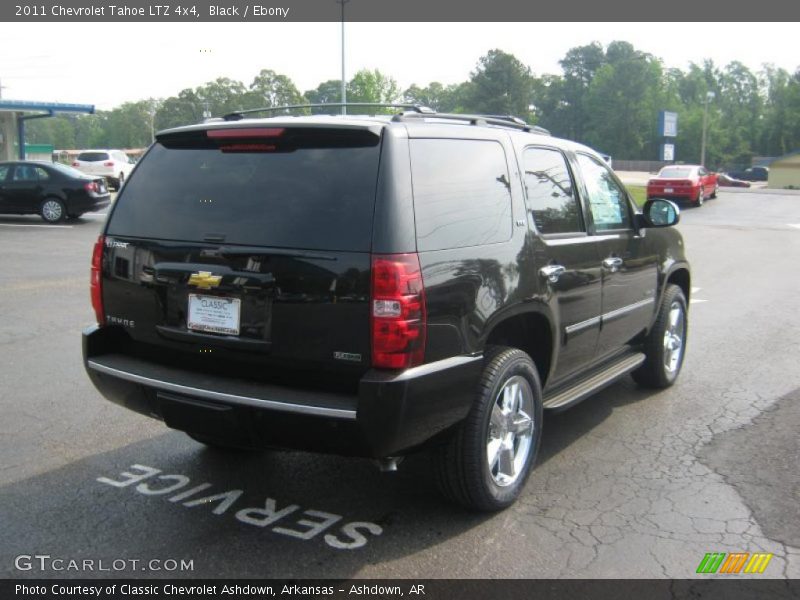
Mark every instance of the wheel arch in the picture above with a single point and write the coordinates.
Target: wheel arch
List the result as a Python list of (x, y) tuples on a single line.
[(681, 277), (532, 332)]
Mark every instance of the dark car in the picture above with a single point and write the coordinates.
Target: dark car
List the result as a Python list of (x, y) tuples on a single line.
[(375, 286), (751, 174), (51, 190)]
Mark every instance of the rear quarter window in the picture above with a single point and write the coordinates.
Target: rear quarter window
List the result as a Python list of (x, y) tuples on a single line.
[(462, 193)]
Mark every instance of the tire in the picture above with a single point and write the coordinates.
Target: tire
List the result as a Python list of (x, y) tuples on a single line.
[(218, 444), (52, 210), (509, 396), (662, 365), (714, 193), (701, 196), (120, 181), (73, 216)]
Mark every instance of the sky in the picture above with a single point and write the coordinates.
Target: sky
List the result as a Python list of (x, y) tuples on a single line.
[(106, 64)]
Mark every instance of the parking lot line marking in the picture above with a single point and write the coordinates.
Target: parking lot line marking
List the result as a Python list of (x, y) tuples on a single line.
[(695, 290), (696, 301), (31, 225)]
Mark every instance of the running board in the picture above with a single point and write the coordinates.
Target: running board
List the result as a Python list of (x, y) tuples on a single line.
[(586, 387)]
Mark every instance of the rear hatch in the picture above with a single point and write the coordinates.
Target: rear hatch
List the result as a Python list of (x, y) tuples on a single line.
[(247, 250)]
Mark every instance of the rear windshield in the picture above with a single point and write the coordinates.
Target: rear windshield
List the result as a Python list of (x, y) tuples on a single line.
[(675, 172), (317, 194), (93, 156)]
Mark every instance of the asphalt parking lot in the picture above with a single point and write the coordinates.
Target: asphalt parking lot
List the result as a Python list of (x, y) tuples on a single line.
[(630, 484)]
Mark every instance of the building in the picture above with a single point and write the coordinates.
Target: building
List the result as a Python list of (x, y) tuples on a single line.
[(784, 172), (15, 113)]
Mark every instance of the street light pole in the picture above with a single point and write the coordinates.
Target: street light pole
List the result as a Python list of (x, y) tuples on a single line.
[(344, 84), (709, 96)]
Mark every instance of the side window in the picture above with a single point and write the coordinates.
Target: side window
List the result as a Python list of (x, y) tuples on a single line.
[(462, 193), (607, 201), (3, 172), (25, 173), (41, 174), (551, 198)]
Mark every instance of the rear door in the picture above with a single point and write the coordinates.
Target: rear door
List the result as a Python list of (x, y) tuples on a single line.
[(24, 188), (252, 242)]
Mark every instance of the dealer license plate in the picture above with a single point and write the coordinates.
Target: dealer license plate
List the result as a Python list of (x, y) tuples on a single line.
[(214, 314), (667, 190)]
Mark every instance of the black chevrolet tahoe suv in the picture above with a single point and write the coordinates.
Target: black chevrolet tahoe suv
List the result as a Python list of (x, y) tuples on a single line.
[(378, 285)]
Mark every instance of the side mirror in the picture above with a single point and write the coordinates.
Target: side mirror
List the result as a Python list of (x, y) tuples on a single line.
[(658, 212)]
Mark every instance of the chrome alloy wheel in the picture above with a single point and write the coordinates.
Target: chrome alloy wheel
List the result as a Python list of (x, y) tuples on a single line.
[(673, 337), (510, 434), (51, 210)]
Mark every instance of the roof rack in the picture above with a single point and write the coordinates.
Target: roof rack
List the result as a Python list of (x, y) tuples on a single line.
[(413, 111), (498, 120), (239, 114)]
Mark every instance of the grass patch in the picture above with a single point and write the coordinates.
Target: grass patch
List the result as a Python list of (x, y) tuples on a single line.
[(638, 193)]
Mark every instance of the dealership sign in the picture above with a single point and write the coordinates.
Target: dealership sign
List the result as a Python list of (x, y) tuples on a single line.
[(667, 124)]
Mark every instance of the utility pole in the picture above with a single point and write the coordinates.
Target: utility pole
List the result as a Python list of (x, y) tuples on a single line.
[(152, 114), (709, 96), (344, 81)]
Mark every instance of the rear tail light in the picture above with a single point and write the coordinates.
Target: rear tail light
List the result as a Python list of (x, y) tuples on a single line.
[(398, 311), (108, 163), (96, 281), (91, 186), (76, 164)]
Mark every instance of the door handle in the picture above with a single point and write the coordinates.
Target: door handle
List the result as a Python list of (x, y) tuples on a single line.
[(612, 263), (552, 272)]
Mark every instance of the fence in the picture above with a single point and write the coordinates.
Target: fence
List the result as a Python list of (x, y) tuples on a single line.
[(651, 166)]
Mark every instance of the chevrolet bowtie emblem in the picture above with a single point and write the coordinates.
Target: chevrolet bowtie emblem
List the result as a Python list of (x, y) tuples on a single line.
[(204, 280)]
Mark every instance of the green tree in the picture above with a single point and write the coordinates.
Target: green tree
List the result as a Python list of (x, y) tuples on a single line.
[(622, 101), (780, 132), (372, 86), (222, 96), (580, 65), (184, 109), (439, 97), (500, 85), (272, 89), (325, 93)]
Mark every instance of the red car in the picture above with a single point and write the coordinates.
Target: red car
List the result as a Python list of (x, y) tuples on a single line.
[(684, 182)]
